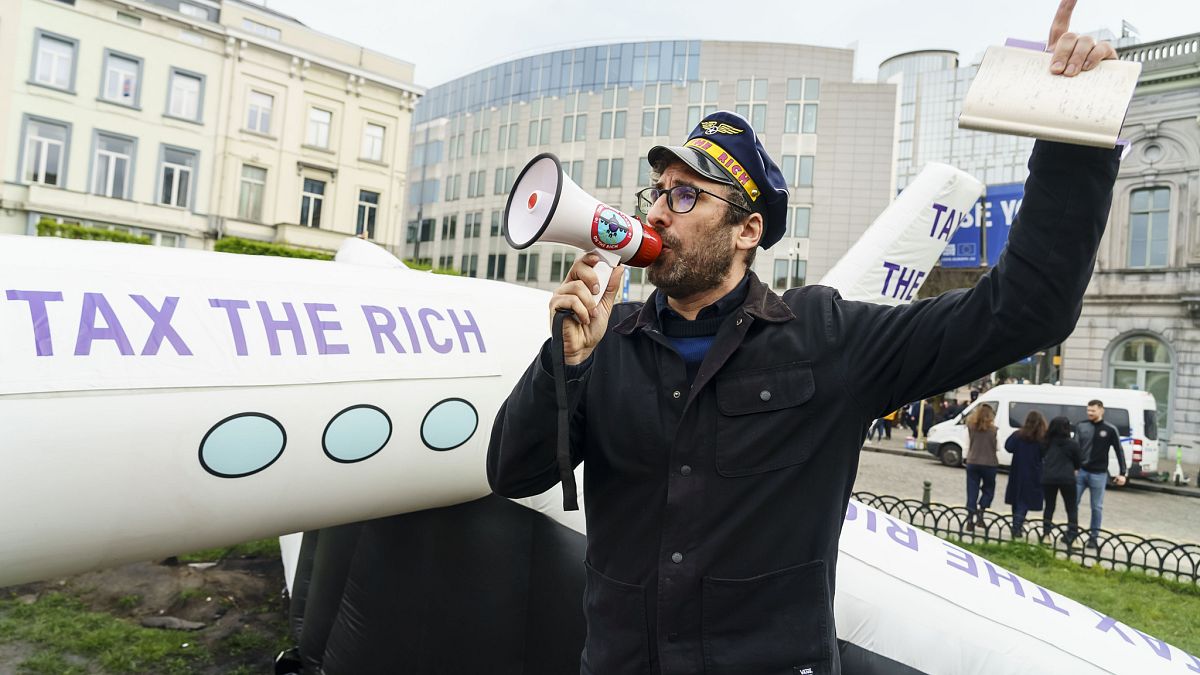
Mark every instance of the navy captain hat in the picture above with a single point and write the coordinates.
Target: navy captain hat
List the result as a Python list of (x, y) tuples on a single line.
[(724, 148)]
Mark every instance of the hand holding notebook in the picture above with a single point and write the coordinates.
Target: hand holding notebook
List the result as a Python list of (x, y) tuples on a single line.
[(1078, 94)]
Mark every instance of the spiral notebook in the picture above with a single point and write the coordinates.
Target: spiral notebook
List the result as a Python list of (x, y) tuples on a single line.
[(1014, 92)]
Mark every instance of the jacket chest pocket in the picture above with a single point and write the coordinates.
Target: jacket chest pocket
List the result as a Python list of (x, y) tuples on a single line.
[(765, 419)]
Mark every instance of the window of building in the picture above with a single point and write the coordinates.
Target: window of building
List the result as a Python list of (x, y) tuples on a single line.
[(495, 265), (372, 142), (112, 165), (1149, 232), (449, 226), (781, 280), (643, 177), (608, 172), (752, 102), (495, 230), (469, 266), (262, 30), (46, 151), (175, 176), (319, 122), (453, 185), (797, 171), (799, 217), (1144, 363), (576, 171), (186, 94), (253, 187), (612, 120), (800, 111), (702, 101), (258, 112), (471, 224), (560, 264), (54, 61), (312, 200), (527, 266), (656, 111), (122, 73), (368, 208), (445, 262), (194, 11)]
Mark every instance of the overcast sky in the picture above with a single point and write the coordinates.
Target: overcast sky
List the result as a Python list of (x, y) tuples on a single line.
[(449, 38)]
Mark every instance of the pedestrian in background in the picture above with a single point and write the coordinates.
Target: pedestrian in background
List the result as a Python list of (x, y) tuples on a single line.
[(981, 463), (1024, 491), (1096, 437), (1061, 458)]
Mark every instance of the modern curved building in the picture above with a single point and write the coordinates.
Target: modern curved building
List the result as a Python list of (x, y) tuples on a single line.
[(600, 108)]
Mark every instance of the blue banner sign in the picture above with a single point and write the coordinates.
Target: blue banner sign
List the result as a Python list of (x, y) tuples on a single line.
[(996, 211)]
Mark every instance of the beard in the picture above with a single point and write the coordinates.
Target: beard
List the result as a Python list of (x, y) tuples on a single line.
[(685, 271)]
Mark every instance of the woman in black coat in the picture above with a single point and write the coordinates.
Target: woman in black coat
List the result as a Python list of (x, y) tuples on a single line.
[(1024, 491), (1061, 458)]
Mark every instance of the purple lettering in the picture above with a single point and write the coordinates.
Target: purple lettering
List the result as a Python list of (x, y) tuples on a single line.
[(1048, 601), (851, 511), (871, 521), (1161, 648), (995, 575), (273, 326), (947, 226), (967, 563), (902, 534), (37, 300), (904, 282), (89, 332), (915, 285), (381, 330), (440, 347), (940, 208), (232, 307), (468, 328), (162, 326), (1107, 623), (412, 330), (1194, 666), (319, 327), (891, 267)]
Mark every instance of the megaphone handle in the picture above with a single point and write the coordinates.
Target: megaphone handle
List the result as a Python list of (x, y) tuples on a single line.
[(604, 270)]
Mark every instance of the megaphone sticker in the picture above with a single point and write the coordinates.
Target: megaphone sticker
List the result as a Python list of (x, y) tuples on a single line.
[(611, 229)]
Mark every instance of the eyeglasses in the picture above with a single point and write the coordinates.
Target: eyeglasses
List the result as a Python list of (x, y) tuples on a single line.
[(680, 199)]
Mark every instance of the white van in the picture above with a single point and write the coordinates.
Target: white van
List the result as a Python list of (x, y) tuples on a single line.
[(1132, 412)]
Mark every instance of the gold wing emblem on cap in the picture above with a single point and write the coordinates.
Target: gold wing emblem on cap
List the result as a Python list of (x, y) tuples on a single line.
[(712, 127)]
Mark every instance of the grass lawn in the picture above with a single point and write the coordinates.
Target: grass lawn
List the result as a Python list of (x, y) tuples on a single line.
[(1167, 610)]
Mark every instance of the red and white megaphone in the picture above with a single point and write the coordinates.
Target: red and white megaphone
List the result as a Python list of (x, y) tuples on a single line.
[(545, 205)]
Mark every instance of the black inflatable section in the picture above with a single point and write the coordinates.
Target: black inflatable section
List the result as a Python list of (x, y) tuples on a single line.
[(483, 587), (859, 661), (300, 581), (335, 551)]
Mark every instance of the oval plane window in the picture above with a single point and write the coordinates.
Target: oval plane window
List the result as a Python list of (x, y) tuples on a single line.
[(356, 433), (449, 424), (242, 445)]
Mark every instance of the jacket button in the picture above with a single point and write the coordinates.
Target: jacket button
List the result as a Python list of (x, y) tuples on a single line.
[(685, 470), (675, 394), (677, 557), (739, 321), (764, 395)]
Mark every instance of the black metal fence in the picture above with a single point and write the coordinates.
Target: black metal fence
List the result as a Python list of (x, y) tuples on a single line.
[(1118, 551)]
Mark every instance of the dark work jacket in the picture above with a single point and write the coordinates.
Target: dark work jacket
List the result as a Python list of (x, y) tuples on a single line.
[(1096, 438), (1061, 457), (713, 513), (1025, 475)]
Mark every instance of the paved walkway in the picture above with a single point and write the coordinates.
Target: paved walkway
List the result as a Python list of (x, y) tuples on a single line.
[(891, 470)]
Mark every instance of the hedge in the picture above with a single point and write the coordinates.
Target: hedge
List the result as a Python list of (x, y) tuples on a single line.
[(251, 247), (50, 228)]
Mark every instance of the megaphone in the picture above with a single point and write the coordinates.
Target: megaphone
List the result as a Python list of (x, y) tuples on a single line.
[(545, 205)]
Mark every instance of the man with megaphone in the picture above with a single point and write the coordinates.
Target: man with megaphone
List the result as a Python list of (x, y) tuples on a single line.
[(721, 423)]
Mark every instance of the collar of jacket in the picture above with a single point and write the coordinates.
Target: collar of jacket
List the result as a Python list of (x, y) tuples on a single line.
[(761, 302)]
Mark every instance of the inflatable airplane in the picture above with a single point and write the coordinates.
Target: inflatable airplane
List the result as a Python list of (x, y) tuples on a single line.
[(155, 401)]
